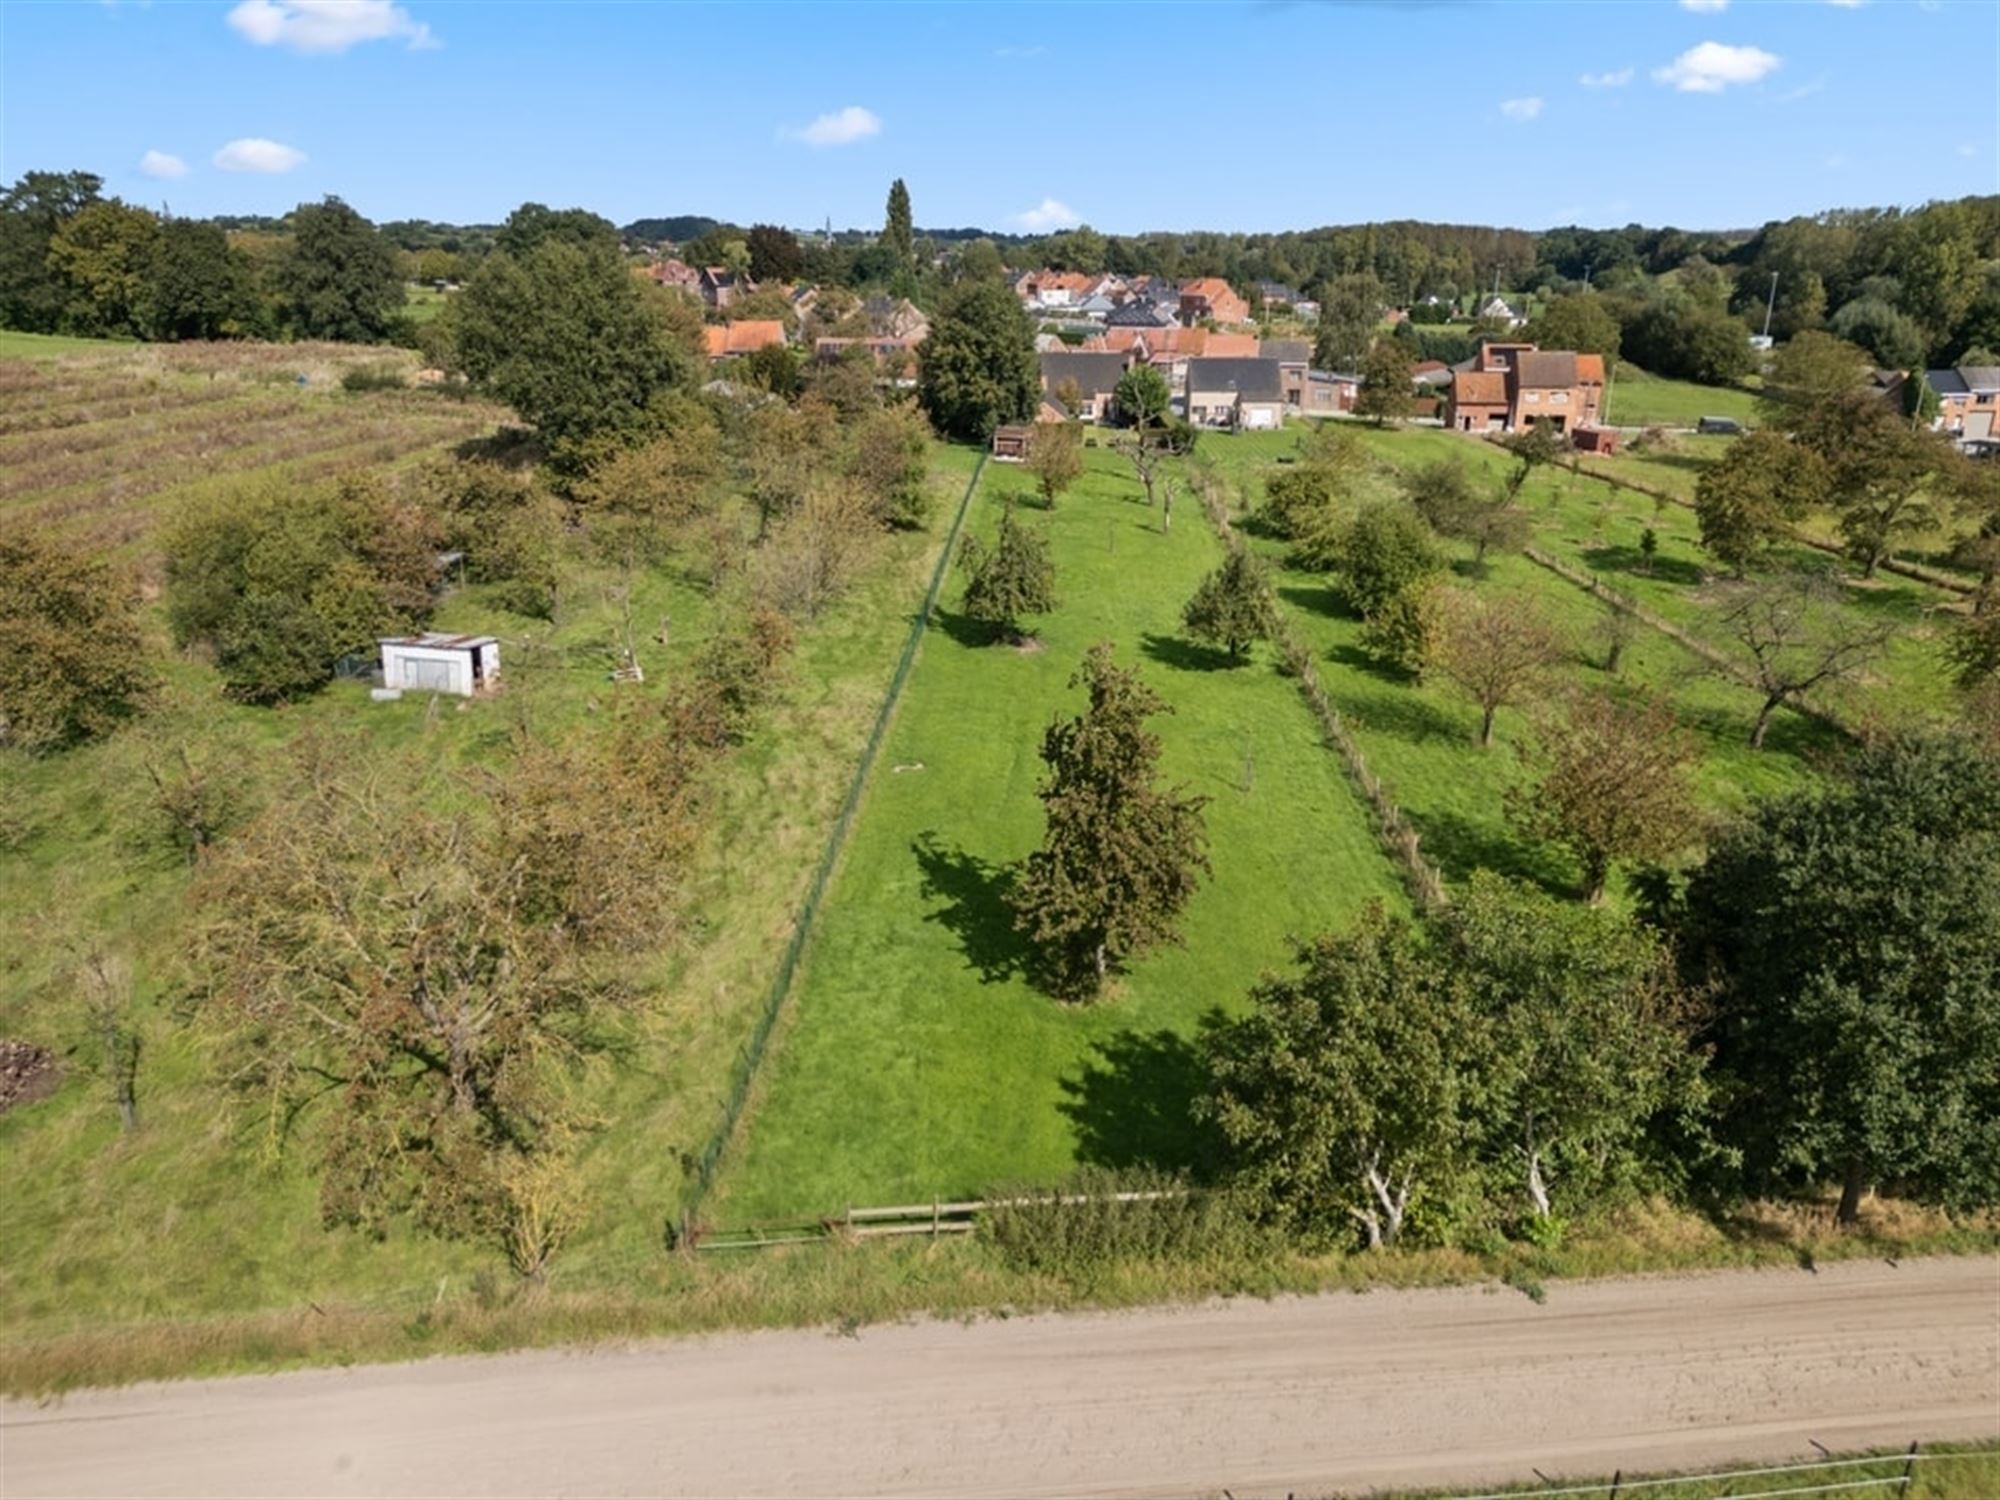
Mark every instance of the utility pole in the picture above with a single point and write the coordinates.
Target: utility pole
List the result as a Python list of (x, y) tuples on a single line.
[(1770, 305)]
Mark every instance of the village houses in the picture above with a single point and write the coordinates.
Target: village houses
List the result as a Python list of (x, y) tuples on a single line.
[(1511, 387)]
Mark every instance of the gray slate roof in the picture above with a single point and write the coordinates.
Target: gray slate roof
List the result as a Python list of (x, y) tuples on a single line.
[(1095, 374), (1139, 313), (1965, 380), (1286, 351), (1252, 379)]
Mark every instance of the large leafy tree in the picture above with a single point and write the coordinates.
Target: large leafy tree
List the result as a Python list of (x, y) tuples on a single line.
[(1349, 308), (1587, 1042), (775, 254), (280, 585), (1386, 392), (408, 965), (1749, 498), (1121, 853), (1583, 321), (32, 295), (1880, 470), (338, 279), (563, 333), (1014, 577), (1611, 785), (1142, 397), (1055, 458), (977, 368), (1382, 554), (103, 255), (1496, 651), (1232, 607), (198, 286), (1493, 521), (72, 655), (1684, 340), (1853, 936), (887, 459), (1345, 1095)]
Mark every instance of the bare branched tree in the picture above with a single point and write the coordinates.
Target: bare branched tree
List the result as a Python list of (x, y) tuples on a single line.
[(1796, 635)]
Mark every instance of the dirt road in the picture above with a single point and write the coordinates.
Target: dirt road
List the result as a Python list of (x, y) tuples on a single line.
[(1308, 1395)]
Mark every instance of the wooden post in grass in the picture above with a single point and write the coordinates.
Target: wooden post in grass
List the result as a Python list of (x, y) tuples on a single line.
[(1909, 1471)]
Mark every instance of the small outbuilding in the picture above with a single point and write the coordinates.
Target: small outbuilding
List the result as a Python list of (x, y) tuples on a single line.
[(1011, 442), (437, 663), (1594, 440)]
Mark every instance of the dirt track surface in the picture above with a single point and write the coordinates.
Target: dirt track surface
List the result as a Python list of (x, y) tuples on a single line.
[(1311, 1395)]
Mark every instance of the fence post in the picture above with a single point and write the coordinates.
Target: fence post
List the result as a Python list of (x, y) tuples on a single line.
[(1909, 1469), (1617, 1478)]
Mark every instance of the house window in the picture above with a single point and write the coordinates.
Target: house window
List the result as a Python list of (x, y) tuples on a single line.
[(1559, 398), (1532, 397)]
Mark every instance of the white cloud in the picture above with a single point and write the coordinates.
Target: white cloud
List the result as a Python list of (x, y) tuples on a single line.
[(162, 164), (1617, 78), (1050, 213), (255, 154), (1714, 66), (327, 25), (1521, 109), (1705, 7), (841, 128), (1847, 4)]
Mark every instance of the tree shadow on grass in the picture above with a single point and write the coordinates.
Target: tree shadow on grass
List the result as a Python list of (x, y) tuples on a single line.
[(1459, 847), (1133, 1103), (1185, 655), (973, 896), (1352, 656), (1406, 716), (1320, 598), (964, 629), (1631, 561)]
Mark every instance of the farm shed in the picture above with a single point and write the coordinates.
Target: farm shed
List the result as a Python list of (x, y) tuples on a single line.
[(435, 663), (1010, 443)]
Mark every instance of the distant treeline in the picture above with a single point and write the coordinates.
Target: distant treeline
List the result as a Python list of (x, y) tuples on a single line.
[(1908, 286)]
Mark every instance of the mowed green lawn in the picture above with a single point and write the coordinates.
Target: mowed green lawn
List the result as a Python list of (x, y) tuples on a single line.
[(1637, 399), (16, 345), (919, 1061), (1421, 738)]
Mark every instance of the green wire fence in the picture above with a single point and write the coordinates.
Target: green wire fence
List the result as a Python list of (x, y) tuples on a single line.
[(750, 1056)]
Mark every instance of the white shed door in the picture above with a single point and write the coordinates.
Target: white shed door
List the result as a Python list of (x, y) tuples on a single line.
[(1259, 416), (1979, 424), (426, 676)]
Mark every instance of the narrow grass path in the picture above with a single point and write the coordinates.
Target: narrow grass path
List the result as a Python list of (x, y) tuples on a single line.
[(919, 1061)]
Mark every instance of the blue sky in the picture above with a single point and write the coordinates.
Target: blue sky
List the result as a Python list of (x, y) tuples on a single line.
[(1253, 116)]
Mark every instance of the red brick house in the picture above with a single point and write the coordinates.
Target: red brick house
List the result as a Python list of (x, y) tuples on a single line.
[(1212, 297), (1510, 387)]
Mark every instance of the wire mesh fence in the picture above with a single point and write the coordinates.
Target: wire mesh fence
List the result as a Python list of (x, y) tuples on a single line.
[(750, 1056), (1879, 1473)]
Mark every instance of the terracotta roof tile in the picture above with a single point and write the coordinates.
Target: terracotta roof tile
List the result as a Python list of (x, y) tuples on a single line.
[(1479, 388)]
